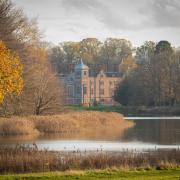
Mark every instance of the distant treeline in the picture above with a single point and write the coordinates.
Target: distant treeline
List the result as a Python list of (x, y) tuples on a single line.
[(156, 79), (107, 55), (93, 68)]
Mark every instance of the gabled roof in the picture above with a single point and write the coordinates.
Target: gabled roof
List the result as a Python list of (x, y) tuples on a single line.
[(101, 73)]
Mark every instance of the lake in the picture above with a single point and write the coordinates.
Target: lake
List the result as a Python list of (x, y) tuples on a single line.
[(147, 133)]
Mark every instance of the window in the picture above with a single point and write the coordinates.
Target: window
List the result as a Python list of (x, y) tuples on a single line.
[(92, 91), (101, 83), (101, 91), (85, 73), (70, 91), (84, 89), (110, 83), (92, 84), (78, 90), (111, 92), (115, 83), (101, 87)]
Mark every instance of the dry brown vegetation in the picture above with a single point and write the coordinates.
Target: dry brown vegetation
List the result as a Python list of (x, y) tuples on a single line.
[(17, 126), (91, 123), (22, 159)]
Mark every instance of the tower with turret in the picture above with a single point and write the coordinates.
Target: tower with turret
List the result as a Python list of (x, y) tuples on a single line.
[(81, 80)]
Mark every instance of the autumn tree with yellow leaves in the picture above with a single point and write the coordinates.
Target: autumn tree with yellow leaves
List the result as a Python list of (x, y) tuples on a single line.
[(10, 73), (38, 86)]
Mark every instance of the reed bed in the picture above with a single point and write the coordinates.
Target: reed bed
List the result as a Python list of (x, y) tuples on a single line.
[(17, 126), (23, 159), (89, 122)]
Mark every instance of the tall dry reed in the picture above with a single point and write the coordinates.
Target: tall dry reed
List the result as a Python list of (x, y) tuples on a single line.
[(21, 159), (17, 126), (88, 122)]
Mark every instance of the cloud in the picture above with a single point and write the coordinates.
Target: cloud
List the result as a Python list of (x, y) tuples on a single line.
[(80, 5), (162, 13), (101, 10), (135, 20), (166, 13)]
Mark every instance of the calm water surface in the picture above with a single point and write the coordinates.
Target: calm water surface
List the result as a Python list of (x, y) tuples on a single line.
[(146, 134)]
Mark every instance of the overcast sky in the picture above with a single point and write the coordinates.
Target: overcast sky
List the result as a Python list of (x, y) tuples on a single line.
[(135, 20)]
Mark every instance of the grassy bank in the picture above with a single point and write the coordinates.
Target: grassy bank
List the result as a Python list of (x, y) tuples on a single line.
[(170, 174), (101, 108), (22, 159), (85, 122), (129, 110)]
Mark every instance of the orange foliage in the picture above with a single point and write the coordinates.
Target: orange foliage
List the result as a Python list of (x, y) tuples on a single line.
[(10, 72)]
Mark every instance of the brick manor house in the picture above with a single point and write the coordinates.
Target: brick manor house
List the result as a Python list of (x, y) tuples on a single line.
[(83, 87)]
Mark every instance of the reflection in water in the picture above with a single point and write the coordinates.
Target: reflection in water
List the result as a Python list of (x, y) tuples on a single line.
[(100, 135), (164, 131), (144, 134)]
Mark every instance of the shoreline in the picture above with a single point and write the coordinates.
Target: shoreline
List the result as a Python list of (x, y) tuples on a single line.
[(130, 110)]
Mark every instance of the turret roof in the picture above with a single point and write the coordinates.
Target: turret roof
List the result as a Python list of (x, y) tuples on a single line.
[(81, 66)]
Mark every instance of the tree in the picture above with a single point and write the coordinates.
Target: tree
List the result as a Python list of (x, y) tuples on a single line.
[(90, 49), (16, 30), (43, 90), (57, 59), (130, 90), (127, 65), (145, 52), (10, 73), (163, 47), (21, 35), (71, 52), (156, 78), (48, 92), (121, 94), (163, 63), (116, 50)]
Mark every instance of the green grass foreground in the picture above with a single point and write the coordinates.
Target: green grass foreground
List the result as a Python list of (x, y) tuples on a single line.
[(106, 174)]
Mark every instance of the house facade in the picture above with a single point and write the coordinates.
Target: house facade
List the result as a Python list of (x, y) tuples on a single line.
[(83, 87)]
